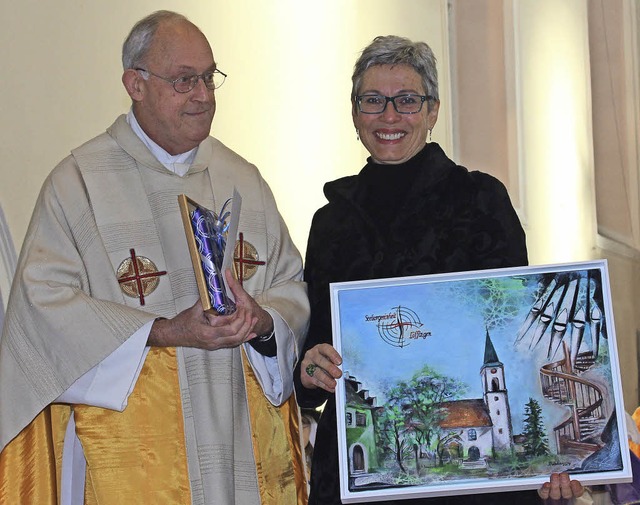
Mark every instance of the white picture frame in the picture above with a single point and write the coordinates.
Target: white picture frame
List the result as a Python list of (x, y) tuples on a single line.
[(455, 383)]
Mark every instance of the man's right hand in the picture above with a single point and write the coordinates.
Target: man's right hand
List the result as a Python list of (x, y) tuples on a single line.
[(194, 327)]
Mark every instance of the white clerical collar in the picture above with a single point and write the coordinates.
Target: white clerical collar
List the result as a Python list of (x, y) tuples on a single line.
[(179, 164)]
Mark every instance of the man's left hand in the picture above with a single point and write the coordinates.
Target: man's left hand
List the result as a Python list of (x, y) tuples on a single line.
[(243, 300)]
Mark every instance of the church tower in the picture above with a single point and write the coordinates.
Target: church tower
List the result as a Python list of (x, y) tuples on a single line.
[(496, 397)]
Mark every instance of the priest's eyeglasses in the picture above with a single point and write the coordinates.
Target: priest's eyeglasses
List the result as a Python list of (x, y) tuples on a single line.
[(403, 104), (212, 79)]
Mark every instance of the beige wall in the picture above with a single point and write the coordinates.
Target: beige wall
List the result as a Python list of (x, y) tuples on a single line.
[(285, 105), (286, 108)]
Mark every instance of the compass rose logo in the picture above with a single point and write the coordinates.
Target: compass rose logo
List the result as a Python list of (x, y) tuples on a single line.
[(405, 326)]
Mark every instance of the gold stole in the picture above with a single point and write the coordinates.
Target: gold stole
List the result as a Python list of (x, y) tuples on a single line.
[(275, 433), (134, 456), (139, 455), (30, 463)]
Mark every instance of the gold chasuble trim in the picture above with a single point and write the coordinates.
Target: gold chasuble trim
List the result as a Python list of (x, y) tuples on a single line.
[(276, 445), (135, 456), (139, 455), (30, 464)]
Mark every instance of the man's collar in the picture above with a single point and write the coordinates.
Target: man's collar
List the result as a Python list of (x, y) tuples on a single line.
[(179, 164)]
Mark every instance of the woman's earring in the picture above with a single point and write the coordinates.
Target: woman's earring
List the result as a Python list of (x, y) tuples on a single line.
[(357, 135), (430, 130)]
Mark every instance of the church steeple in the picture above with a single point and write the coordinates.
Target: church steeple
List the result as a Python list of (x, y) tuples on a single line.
[(490, 355), (496, 397)]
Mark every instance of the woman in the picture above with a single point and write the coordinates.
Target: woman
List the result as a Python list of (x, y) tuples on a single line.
[(410, 211)]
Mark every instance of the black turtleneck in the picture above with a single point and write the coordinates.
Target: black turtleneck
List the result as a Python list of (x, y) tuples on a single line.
[(386, 186)]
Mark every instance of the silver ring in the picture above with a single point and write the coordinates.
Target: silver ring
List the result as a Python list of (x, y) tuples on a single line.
[(311, 369)]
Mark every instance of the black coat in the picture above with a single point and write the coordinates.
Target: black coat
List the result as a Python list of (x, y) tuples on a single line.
[(425, 216)]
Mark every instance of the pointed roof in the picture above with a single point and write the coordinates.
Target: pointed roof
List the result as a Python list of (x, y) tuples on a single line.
[(490, 355)]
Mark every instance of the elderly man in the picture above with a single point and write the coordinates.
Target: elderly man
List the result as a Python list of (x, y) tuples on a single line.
[(105, 337)]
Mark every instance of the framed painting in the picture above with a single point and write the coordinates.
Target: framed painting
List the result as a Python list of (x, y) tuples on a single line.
[(477, 382)]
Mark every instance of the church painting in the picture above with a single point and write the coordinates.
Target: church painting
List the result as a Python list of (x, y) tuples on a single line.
[(477, 382)]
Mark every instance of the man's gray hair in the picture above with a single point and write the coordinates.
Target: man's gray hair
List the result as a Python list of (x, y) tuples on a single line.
[(137, 44), (394, 50)]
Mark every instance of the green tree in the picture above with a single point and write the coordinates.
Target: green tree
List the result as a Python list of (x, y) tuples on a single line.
[(412, 412), (390, 430), (535, 443)]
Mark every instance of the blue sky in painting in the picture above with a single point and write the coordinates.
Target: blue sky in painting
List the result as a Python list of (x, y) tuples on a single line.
[(456, 316)]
